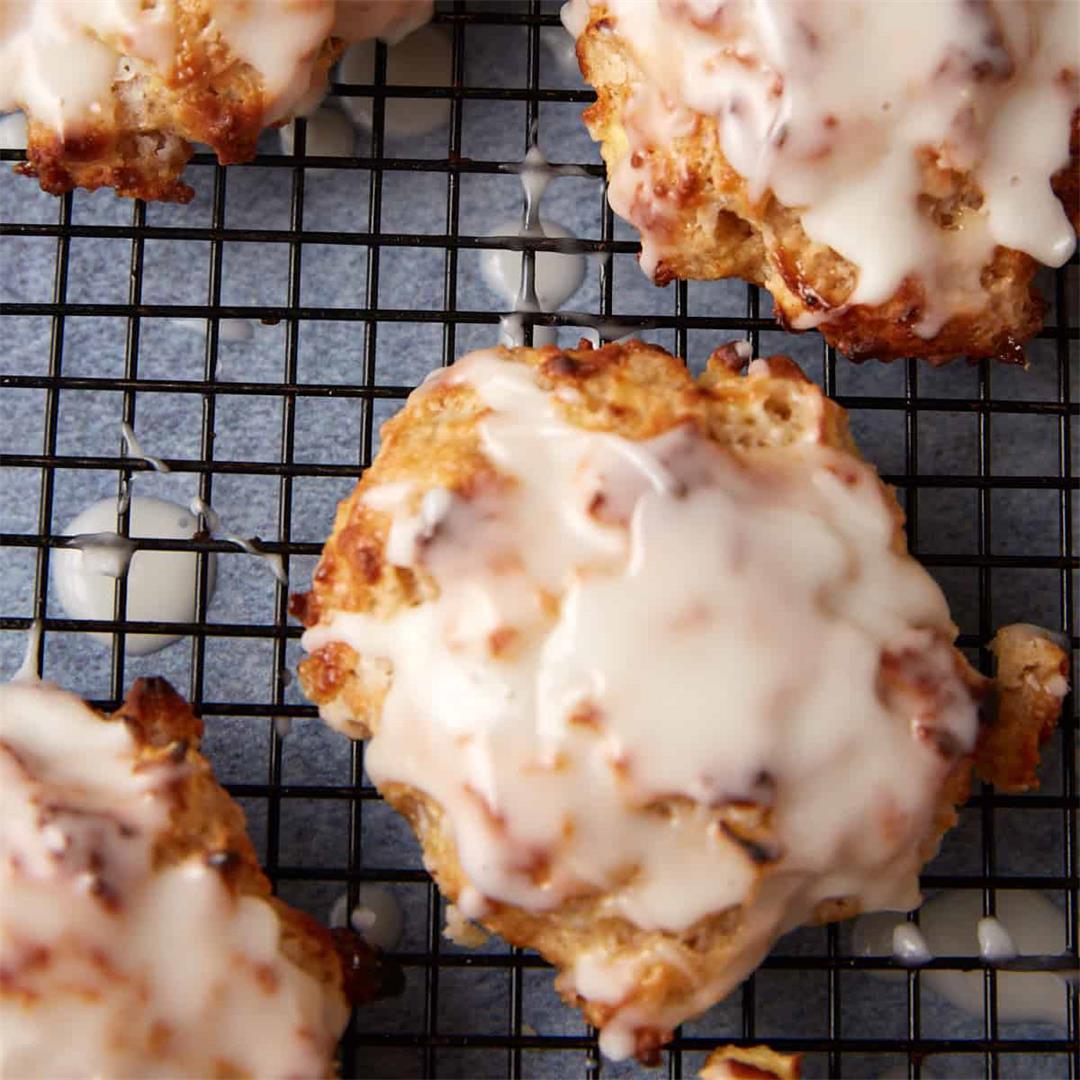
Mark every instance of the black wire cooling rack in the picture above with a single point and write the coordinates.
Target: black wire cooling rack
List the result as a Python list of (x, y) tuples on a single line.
[(992, 404)]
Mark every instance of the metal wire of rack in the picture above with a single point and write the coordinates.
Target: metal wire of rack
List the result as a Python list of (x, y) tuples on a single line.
[(988, 400)]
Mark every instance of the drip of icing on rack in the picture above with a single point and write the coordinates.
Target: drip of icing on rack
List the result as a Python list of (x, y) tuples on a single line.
[(562, 274), (952, 924), (251, 545), (995, 941), (160, 584), (534, 282), (422, 58), (909, 946), (377, 916), (31, 664), (540, 282), (229, 330), (13, 131), (133, 448)]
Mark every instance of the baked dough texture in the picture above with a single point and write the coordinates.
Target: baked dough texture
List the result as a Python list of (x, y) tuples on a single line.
[(635, 973), (959, 293), (138, 936), (750, 1063), (117, 91)]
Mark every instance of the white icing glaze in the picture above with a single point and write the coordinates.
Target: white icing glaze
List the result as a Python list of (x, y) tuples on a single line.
[(133, 448), (115, 967), (280, 40), (558, 275), (952, 923), (329, 133), (547, 280), (377, 916), (512, 332), (59, 58), (995, 942), (28, 670), (599, 330), (160, 584), (424, 58), (908, 944), (392, 22), (616, 1042), (249, 545), (13, 132), (574, 17), (828, 105), (104, 553), (471, 903), (536, 174), (1057, 685), (229, 330), (748, 607)]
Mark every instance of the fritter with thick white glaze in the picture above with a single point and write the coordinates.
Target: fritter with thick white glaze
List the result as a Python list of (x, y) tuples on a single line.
[(892, 173), (117, 91), (138, 936), (645, 663)]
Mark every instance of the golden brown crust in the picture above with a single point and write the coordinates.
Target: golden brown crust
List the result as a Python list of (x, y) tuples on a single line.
[(1030, 683), (637, 391), (634, 389), (98, 158), (716, 230), (750, 1063), (206, 822), (143, 142)]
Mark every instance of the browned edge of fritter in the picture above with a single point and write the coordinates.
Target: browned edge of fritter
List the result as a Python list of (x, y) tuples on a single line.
[(209, 96)]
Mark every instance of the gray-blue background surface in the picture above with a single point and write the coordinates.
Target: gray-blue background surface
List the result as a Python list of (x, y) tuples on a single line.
[(248, 428)]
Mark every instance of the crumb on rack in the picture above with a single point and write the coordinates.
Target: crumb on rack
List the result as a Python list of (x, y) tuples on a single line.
[(751, 1063), (461, 931)]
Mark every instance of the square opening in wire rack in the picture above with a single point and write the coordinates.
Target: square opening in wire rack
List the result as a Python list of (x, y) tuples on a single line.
[(263, 332)]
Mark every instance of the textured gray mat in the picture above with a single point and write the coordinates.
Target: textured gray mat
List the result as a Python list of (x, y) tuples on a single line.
[(1027, 520)]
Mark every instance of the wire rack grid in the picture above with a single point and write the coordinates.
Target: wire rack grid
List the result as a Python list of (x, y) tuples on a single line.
[(976, 452)]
